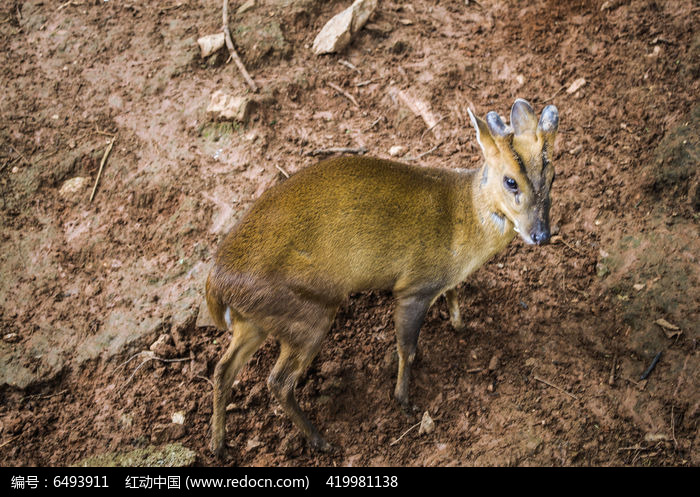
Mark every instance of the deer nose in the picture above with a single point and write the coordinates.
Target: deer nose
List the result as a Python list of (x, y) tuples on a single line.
[(540, 236)]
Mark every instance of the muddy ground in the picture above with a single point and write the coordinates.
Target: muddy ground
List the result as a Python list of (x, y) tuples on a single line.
[(547, 371)]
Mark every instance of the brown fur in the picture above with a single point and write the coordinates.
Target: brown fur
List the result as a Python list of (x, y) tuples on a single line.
[(350, 224)]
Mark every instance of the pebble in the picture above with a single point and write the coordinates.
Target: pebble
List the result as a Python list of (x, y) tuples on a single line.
[(427, 425), (396, 150)]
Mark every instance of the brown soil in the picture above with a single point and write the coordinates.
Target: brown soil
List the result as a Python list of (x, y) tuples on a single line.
[(85, 285)]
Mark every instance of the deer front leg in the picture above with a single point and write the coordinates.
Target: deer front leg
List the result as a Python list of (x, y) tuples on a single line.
[(408, 317)]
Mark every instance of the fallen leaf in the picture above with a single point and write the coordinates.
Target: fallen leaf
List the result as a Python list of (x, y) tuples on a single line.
[(576, 85), (665, 324), (670, 330)]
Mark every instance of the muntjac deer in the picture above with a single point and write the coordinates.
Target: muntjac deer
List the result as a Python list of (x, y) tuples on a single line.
[(349, 224)]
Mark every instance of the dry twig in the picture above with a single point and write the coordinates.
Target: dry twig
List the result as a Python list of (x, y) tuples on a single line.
[(151, 357), (200, 377), (611, 378), (556, 387), (367, 82), (552, 97), (559, 238), (40, 396), (404, 434), (349, 65), (430, 128), (420, 156), (374, 123), (10, 440), (100, 132), (102, 164), (234, 54), (21, 155), (673, 429), (282, 171), (343, 92)]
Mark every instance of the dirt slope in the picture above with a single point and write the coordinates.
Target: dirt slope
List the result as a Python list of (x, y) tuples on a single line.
[(85, 285)]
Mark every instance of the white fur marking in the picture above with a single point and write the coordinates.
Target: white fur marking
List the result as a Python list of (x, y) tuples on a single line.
[(499, 221), (472, 117), (227, 316)]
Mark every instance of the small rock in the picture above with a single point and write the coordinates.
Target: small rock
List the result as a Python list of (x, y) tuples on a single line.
[(253, 443), (493, 363), (576, 150), (655, 52), (162, 347), (182, 324), (231, 407), (178, 418), (224, 106), (427, 425), (639, 287), (11, 337), (204, 318), (338, 32), (396, 150), (531, 362), (73, 187), (166, 433), (602, 270), (210, 44)]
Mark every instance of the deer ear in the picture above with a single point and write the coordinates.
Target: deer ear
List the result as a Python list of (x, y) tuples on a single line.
[(523, 117), (483, 136), (549, 120), (548, 125)]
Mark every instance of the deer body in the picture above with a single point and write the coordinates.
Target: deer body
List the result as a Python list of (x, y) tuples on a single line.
[(350, 224)]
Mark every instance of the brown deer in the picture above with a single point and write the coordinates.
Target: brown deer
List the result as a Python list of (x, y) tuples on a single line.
[(349, 224)]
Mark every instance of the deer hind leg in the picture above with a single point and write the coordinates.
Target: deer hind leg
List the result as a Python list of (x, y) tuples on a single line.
[(297, 349), (247, 338)]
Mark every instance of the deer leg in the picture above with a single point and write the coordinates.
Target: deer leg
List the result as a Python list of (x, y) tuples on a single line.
[(408, 317), (298, 348), (247, 338)]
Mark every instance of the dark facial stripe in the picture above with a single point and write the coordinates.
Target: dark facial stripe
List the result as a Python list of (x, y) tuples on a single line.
[(545, 158)]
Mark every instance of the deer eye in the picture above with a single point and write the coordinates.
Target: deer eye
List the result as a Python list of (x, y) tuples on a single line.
[(510, 184)]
